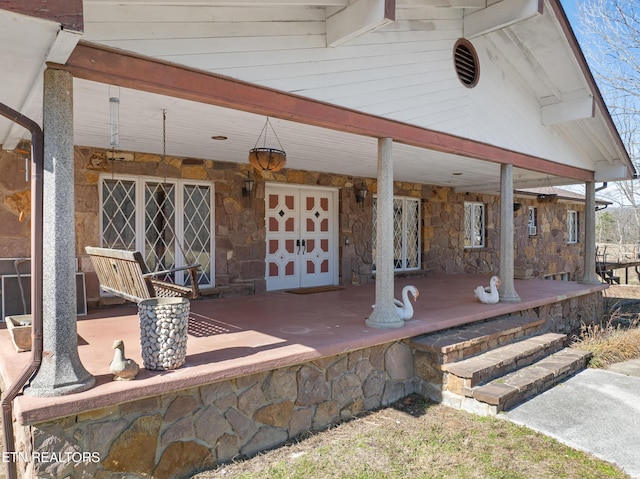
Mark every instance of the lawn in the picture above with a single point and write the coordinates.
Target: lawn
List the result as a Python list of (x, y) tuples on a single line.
[(417, 439)]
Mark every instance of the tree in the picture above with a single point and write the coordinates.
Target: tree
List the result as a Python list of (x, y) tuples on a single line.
[(605, 227), (611, 43)]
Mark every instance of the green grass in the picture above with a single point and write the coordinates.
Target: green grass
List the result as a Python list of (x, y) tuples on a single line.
[(440, 443)]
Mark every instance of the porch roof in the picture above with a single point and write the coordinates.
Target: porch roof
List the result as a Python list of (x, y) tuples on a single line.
[(233, 337), (555, 129)]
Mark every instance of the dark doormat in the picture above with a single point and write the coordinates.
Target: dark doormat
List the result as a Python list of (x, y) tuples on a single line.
[(315, 289)]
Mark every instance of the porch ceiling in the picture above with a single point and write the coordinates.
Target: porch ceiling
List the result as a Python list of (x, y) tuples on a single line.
[(308, 147)]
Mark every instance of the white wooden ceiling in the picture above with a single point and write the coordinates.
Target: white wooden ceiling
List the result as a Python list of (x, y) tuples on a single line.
[(400, 69)]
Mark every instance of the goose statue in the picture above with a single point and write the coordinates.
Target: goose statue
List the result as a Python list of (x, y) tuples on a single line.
[(489, 295), (123, 369), (404, 307)]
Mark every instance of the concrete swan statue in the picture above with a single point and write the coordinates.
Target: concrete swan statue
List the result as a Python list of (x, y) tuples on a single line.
[(123, 369), (489, 295), (404, 307)]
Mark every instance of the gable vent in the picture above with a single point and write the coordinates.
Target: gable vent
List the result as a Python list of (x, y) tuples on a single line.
[(466, 63)]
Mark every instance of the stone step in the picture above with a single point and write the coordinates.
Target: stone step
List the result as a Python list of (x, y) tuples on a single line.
[(516, 387), (459, 343), (467, 374)]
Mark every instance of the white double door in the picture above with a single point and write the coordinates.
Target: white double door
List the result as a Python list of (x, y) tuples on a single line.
[(301, 236)]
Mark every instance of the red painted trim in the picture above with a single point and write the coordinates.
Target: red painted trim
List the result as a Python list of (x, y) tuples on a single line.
[(68, 13), (106, 65)]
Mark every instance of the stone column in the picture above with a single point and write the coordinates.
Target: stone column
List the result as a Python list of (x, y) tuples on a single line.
[(508, 292), (61, 371), (385, 315), (589, 276)]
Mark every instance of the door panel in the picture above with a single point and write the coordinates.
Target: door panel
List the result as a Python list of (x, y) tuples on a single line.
[(283, 241), (316, 236), (300, 229)]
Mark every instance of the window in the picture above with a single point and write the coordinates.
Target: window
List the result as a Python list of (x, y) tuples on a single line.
[(572, 226), (473, 225), (170, 222), (533, 221), (406, 233)]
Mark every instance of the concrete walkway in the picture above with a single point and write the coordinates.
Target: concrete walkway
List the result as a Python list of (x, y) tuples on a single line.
[(597, 411)]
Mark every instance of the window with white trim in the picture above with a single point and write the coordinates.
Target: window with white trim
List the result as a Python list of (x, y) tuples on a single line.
[(473, 225), (406, 233), (170, 222), (533, 221), (572, 226)]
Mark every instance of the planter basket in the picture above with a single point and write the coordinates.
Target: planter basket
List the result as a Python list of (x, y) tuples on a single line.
[(267, 159), (163, 332), (548, 198)]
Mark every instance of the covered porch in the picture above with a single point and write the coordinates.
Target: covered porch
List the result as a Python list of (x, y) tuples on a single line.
[(231, 338)]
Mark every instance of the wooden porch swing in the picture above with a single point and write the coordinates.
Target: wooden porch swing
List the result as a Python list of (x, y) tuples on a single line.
[(125, 274)]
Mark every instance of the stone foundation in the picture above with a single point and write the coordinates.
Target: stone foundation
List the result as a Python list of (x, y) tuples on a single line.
[(180, 432)]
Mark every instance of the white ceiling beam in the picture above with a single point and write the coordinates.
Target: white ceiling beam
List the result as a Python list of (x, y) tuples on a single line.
[(500, 15), (442, 3), (571, 110), (360, 17), (611, 173), (59, 52), (226, 3), (63, 46)]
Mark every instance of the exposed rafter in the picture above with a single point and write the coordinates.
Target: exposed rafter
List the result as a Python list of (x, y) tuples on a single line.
[(230, 3), (610, 173), (500, 15), (571, 110), (442, 3), (358, 18), (65, 42)]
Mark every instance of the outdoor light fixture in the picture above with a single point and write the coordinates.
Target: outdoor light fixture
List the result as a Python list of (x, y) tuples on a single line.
[(264, 158), (361, 195), (248, 186)]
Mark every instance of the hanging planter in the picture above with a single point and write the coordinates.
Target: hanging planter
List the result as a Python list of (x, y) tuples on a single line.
[(547, 198), (264, 158), (267, 159)]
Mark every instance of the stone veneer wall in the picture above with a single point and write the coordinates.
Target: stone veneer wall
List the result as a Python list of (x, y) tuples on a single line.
[(535, 256), (181, 431), (239, 220), (15, 199), (240, 229)]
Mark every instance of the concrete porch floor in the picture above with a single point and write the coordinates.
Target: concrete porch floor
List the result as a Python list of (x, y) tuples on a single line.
[(233, 337)]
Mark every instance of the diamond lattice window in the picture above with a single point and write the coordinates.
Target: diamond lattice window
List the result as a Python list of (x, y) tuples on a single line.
[(473, 225), (406, 233), (171, 223), (572, 226)]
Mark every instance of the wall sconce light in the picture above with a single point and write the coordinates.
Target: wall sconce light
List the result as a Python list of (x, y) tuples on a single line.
[(248, 186), (517, 206), (361, 194)]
